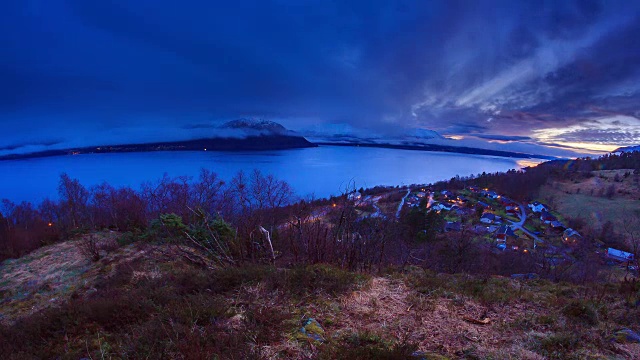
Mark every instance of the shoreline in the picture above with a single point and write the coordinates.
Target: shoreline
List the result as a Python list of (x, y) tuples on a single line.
[(443, 148)]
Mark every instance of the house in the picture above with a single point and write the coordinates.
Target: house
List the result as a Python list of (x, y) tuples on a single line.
[(547, 217), (421, 194), (557, 225), (484, 204), (505, 232), (571, 236), (479, 229), (505, 237), (492, 195), (489, 218), (354, 196), (505, 200), (464, 211), (512, 210), (473, 189), (462, 199), (452, 226), (439, 207), (447, 194), (619, 255), (489, 194), (538, 207)]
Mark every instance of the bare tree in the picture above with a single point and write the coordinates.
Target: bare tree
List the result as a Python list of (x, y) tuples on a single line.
[(73, 201), (630, 226), (208, 193)]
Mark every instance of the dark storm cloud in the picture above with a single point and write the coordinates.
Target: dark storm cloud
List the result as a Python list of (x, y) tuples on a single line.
[(120, 69)]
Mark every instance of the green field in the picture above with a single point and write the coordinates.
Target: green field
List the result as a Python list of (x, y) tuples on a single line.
[(596, 210)]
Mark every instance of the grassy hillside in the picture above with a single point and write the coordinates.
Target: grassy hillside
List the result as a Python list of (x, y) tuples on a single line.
[(607, 195), (145, 301)]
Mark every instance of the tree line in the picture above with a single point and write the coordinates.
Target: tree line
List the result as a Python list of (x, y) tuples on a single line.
[(25, 226)]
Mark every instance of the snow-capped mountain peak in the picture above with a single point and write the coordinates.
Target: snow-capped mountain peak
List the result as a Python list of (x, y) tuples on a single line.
[(252, 124)]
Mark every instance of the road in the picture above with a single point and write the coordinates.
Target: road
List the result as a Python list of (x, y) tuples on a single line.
[(402, 204), (520, 225), (374, 202)]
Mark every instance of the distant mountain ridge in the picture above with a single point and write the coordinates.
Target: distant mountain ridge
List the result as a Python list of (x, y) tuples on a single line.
[(404, 139), (256, 135), (627, 149), (345, 133), (236, 135)]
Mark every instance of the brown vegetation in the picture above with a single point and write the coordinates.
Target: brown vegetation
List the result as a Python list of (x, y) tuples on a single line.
[(143, 303), (211, 269)]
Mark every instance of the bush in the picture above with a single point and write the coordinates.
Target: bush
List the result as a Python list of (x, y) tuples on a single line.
[(315, 279), (582, 311), (221, 280), (128, 238), (89, 248), (166, 228), (558, 346)]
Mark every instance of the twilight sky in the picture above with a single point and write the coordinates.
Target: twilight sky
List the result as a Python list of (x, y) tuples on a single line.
[(550, 73)]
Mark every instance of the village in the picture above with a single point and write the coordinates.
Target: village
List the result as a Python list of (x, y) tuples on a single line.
[(504, 224)]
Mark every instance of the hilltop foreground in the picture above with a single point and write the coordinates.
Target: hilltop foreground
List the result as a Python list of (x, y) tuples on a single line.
[(145, 301)]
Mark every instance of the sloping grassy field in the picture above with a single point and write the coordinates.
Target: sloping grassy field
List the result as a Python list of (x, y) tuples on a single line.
[(585, 199)]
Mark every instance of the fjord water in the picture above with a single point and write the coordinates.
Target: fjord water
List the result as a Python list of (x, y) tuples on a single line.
[(320, 171)]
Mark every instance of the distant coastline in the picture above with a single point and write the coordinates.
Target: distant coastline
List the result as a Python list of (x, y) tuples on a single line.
[(260, 143), (443, 148), (249, 143)]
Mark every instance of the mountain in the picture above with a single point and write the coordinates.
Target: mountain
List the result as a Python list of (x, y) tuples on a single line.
[(407, 139), (346, 134), (627, 149), (263, 126), (422, 134), (236, 135)]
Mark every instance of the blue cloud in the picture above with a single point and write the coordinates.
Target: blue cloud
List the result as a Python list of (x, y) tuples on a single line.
[(494, 69)]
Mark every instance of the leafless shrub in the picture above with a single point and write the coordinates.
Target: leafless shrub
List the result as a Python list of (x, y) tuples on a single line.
[(89, 247)]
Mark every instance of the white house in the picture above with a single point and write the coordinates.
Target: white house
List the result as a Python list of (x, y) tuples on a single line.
[(619, 255), (354, 196), (439, 206), (538, 207)]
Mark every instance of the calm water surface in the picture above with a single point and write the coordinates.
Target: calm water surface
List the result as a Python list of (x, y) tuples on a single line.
[(321, 171)]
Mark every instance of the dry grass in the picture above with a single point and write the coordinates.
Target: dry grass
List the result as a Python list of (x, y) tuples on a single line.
[(263, 309), (440, 325)]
